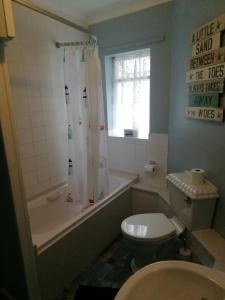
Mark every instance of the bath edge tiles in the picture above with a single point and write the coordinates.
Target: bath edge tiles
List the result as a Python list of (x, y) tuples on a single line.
[(123, 154), (140, 153), (158, 151)]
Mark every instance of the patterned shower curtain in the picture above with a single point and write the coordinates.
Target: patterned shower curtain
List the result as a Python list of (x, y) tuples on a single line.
[(87, 137)]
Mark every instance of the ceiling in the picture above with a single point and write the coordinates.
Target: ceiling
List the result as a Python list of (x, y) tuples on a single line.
[(88, 12)]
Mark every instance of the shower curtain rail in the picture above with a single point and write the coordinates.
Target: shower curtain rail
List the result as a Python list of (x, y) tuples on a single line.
[(50, 14), (91, 42)]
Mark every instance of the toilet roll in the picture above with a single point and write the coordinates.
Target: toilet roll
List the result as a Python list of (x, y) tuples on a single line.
[(150, 168), (197, 176)]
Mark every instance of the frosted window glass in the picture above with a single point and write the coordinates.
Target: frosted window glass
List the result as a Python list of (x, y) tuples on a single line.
[(131, 93)]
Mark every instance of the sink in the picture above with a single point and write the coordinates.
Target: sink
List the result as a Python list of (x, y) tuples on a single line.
[(174, 280)]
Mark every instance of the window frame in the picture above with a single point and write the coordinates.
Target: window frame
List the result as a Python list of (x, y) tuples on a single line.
[(109, 86)]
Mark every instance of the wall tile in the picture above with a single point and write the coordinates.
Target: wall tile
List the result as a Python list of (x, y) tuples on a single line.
[(20, 104), (27, 150), (14, 52), (24, 136), (31, 79), (23, 120), (43, 174), (37, 119), (18, 82), (41, 161), (35, 104), (38, 134), (158, 150), (28, 165), (32, 191), (30, 180), (40, 148), (44, 185), (141, 156), (37, 81), (131, 155)]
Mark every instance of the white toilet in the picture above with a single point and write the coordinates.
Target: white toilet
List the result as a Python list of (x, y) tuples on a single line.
[(147, 234), (152, 235)]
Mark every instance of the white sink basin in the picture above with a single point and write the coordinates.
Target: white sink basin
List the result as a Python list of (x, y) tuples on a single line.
[(174, 280)]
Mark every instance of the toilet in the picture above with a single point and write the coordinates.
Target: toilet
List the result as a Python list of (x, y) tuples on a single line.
[(153, 236)]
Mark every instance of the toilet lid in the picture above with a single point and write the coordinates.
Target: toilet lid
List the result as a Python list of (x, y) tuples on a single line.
[(148, 226)]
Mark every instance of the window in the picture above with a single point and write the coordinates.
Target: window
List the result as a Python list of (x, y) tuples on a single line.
[(128, 98)]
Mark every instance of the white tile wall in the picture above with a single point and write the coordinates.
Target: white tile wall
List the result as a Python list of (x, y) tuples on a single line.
[(158, 151), (131, 155), (37, 81)]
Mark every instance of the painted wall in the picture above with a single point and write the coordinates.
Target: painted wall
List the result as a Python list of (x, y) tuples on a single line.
[(137, 30), (129, 32), (37, 81), (194, 143)]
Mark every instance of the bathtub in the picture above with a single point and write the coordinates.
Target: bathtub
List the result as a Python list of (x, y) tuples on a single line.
[(67, 238), (52, 217)]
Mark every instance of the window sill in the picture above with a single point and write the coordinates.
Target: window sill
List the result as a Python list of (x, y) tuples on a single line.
[(127, 139)]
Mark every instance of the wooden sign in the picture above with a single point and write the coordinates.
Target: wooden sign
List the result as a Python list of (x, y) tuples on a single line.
[(204, 100), (209, 58), (205, 113), (206, 45), (208, 29), (214, 86), (207, 73)]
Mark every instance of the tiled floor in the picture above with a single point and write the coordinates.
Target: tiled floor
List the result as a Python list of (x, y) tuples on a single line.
[(111, 269)]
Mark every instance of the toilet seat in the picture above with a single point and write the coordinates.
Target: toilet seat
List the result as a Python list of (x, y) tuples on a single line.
[(148, 227)]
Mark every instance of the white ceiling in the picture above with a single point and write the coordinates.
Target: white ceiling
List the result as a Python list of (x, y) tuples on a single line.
[(93, 11)]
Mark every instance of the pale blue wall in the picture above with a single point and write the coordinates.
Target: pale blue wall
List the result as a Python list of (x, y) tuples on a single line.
[(138, 30), (194, 143)]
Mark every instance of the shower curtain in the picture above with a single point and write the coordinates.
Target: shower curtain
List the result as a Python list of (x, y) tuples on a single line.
[(87, 137)]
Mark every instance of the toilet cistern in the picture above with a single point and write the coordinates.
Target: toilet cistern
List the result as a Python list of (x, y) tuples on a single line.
[(192, 204)]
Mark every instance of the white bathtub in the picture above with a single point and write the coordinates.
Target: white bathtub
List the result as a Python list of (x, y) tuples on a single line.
[(52, 217)]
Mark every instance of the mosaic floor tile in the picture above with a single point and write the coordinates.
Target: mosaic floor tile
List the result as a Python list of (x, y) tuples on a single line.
[(111, 269)]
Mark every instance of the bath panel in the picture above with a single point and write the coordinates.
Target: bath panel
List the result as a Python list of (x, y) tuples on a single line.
[(61, 258)]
